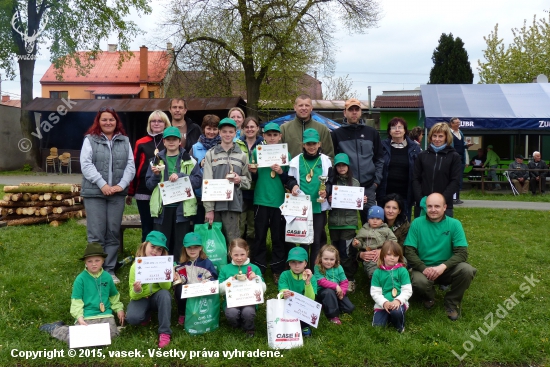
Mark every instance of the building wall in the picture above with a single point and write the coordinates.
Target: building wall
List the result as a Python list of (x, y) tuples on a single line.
[(10, 135), (82, 91)]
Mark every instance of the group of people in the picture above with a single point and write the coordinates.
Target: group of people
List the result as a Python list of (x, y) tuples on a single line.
[(395, 173)]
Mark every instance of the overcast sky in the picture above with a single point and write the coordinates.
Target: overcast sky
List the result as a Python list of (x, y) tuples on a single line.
[(397, 54)]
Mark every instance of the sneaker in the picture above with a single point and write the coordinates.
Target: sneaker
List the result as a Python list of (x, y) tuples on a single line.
[(336, 320), (458, 201), (306, 332), (115, 279), (181, 320), (428, 303), (276, 278), (164, 340), (401, 331), (351, 286), (146, 322), (49, 328), (452, 313), (250, 333)]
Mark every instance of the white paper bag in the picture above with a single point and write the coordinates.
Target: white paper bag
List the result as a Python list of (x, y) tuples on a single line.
[(283, 332), (300, 230)]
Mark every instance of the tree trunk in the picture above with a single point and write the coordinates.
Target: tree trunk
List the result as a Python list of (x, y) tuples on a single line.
[(252, 93), (64, 209), (46, 219), (28, 126), (26, 204), (41, 188)]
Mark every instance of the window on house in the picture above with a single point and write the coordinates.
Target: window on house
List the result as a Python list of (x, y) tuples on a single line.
[(151, 94), (59, 94)]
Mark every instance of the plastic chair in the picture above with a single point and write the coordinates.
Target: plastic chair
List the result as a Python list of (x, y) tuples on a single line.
[(65, 161), (52, 159)]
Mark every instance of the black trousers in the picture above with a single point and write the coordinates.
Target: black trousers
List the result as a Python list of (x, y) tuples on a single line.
[(173, 231), (269, 218), (332, 306)]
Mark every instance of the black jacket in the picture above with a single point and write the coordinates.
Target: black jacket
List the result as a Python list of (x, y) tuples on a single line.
[(192, 135), (437, 172), (362, 144)]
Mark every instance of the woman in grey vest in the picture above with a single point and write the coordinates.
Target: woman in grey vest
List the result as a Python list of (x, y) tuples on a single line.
[(107, 164)]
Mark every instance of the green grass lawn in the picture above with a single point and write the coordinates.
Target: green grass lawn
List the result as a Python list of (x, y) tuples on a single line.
[(38, 265)]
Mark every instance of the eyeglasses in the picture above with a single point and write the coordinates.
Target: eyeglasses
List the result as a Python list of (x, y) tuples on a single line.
[(157, 121), (397, 127)]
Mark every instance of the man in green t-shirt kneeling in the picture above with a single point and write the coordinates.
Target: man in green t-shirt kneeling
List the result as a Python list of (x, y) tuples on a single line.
[(436, 250)]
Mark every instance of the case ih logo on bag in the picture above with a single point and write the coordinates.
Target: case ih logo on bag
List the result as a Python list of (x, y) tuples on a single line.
[(296, 233)]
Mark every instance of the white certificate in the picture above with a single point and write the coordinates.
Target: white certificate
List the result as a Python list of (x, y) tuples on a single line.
[(173, 192), (200, 289), (217, 190), (269, 155), (347, 197), (305, 309), (81, 336), (244, 292), (155, 269), (295, 206)]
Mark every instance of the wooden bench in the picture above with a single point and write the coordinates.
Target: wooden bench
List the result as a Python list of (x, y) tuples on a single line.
[(125, 225)]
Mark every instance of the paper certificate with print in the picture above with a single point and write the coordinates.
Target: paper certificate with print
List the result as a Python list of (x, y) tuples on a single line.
[(347, 197), (200, 289), (295, 206), (269, 155), (154, 269), (307, 310), (81, 336), (173, 192), (244, 292), (217, 190)]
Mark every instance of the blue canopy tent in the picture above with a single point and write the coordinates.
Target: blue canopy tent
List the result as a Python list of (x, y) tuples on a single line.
[(317, 117), (489, 106)]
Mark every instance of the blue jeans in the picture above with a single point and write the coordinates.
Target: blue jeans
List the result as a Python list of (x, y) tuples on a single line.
[(493, 174), (394, 317), (145, 217), (139, 310)]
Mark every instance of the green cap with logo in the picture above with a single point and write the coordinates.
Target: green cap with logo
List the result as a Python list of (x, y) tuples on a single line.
[(297, 254), (341, 158), (272, 126), (227, 122), (171, 131), (157, 239), (192, 239), (311, 136)]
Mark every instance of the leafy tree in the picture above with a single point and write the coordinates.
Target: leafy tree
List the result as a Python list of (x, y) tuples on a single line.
[(524, 59), (70, 26), (451, 65), (339, 88), (271, 41)]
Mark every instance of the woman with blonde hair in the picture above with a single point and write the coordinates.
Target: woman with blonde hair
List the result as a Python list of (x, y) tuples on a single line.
[(237, 115), (438, 168), (144, 150)]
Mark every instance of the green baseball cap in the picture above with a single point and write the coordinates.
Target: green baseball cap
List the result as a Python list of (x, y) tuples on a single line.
[(311, 136), (272, 127), (171, 131), (341, 158), (192, 239), (227, 121), (157, 239), (297, 254), (489, 147)]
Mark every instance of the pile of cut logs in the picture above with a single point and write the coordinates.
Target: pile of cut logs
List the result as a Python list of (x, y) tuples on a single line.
[(32, 203)]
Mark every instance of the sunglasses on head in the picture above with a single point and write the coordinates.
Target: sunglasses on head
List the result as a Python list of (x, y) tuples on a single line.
[(107, 109)]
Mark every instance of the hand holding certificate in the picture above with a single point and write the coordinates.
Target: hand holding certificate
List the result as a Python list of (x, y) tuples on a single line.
[(244, 293), (217, 190), (269, 155), (173, 192)]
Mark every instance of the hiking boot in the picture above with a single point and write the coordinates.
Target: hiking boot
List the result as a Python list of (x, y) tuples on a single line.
[(181, 320), (336, 320), (428, 303), (276, 278), (458, 201), (306, 332), (351, 286), (164, 340), (452, 313), (49, 328)]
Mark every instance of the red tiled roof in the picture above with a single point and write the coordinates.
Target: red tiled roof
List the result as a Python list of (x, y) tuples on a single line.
[(398, 102), (106, 69), (12, 103), (116, 90)]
